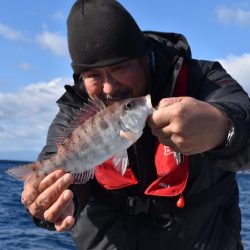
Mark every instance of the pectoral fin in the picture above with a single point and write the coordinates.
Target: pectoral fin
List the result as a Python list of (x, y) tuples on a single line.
[(128, 135), (120, 162)]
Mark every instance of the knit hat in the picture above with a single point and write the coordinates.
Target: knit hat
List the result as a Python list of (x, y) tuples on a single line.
[(102, 33)]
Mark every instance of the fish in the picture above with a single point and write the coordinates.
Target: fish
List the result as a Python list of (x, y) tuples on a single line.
[(98, 133)]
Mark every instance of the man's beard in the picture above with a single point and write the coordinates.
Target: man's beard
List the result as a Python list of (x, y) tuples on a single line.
[(119, 95)]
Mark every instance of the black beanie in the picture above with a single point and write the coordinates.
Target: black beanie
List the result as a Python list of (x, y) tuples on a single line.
[(102, 33)]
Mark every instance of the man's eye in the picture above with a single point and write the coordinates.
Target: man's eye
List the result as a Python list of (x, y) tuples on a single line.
[(93, 75), (120, 68), (117, 68), (90, 76)]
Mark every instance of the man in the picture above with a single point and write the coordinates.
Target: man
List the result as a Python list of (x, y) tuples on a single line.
[(180, 191)]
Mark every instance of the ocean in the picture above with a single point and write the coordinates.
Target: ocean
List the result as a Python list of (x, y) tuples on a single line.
[(18, 232)]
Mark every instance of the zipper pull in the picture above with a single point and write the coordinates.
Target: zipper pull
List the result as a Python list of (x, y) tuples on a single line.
[(179, 158)]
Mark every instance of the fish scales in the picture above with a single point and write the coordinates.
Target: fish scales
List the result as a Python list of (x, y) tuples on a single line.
[(94, 151), (106, 134)]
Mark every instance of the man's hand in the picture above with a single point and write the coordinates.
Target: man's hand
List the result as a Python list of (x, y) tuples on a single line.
[(51, 199), (189, 126)]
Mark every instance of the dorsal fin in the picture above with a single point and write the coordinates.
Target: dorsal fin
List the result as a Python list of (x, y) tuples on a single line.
[(89, 110)]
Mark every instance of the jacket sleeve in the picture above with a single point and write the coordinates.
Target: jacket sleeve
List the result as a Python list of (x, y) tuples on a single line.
[(219, 89), (56, 129)]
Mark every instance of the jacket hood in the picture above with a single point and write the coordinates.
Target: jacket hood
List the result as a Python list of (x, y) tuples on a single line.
[(175, 43), (168, 51)]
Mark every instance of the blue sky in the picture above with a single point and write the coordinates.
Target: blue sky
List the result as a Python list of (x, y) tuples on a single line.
[(35, 64)]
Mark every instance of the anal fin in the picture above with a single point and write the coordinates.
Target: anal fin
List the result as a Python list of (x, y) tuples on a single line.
[(81, 178)]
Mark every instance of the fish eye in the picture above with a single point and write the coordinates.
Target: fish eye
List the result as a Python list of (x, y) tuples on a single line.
[(129, 106)]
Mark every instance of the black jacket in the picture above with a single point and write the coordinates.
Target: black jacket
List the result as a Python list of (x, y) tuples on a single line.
[(211, 219)]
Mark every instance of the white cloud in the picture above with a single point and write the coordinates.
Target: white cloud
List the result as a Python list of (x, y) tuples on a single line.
[(235, 15), (239, 68), (11, 34), (55, 43), (25, 115)]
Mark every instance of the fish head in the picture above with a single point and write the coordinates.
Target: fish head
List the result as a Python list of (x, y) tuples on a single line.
[(134, 113)]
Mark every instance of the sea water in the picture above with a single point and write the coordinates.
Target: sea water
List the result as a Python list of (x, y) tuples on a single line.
[(18, 232)]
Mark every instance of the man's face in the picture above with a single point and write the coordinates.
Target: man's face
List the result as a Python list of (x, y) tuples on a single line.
[(119, 81)]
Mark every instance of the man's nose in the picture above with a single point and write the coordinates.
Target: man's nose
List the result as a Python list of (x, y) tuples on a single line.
[(109, 85)]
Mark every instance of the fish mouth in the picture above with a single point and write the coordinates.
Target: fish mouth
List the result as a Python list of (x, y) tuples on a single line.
[(149, 104)]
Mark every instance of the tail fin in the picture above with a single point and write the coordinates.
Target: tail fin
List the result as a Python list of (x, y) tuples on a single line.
[(23, 172)]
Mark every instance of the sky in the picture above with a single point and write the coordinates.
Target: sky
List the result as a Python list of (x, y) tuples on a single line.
[(35, 63)]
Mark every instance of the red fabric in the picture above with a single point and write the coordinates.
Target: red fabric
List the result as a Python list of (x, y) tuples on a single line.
[(111, 179), (172, 178), (164, 160)]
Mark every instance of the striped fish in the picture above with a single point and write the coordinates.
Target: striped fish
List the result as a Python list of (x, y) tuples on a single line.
[(98, 134)]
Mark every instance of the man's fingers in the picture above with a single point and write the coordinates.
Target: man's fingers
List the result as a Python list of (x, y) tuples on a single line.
[(50, 195), (30, 190), (29, 197), (164, 132), (59, 207), (53, 192), (65, 224), (50, 179), (66, 221), (164, 112), (165, 102), (159, 118), (34, 186)]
